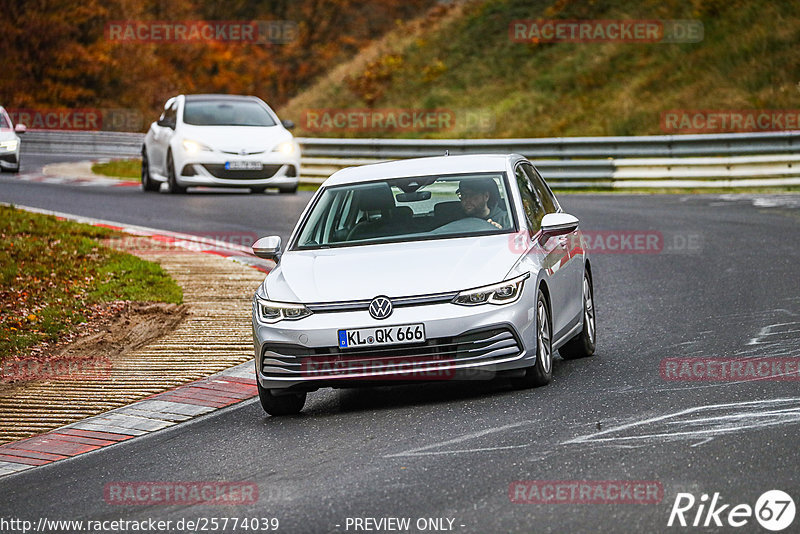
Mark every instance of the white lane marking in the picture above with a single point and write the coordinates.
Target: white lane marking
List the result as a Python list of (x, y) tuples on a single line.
[(768, 414), (466, 437)]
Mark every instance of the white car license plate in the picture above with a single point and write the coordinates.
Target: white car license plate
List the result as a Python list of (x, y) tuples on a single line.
[(244, 165), (389, 335)]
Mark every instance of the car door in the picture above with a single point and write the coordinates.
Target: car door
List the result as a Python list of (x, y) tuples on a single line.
[(551, 250), (162, 134), (572, 262)]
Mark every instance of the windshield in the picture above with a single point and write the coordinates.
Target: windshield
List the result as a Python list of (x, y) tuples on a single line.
[(226, 113), (4, 124), (408, 209)]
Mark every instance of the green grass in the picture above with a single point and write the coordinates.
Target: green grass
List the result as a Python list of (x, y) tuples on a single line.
[(466, 62), (128, 169), (52, 272)]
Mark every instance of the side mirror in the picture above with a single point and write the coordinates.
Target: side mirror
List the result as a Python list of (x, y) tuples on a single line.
[(20, 128), (559, 224), (166, 123), (289, 125), (268, 248)]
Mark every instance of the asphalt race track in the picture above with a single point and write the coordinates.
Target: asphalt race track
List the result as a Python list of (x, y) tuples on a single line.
[(724, 283)]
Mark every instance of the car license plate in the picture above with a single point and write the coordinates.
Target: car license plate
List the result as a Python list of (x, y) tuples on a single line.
[(244, 165), (388, 335)]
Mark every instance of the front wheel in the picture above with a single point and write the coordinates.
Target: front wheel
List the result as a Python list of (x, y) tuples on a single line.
[(540, 373), (285, 404), (289, 189), (172, 181), (148, 184), (583, 344)]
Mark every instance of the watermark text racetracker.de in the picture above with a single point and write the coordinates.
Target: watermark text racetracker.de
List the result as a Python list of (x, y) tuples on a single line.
[(396, 120), (605, 31), (201, 31), (620, 242), (79, 119), (585, 492), (687, 121), (693, 369), (59, 368)]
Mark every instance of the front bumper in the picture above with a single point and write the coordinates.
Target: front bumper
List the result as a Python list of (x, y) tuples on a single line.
[(461, 343), (9, 160), (208, 169)]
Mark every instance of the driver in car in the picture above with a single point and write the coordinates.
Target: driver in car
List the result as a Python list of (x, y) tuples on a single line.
[(479, 198)]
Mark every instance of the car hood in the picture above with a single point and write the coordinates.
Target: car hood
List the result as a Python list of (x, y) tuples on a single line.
[(391, 269), (5, 135), (236, 138)]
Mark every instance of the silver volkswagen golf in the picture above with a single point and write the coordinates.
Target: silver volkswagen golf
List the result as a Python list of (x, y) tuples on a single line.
[(442, 268)]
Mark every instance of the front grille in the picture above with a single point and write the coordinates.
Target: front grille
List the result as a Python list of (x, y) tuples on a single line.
[(477, 347), (218, 170)]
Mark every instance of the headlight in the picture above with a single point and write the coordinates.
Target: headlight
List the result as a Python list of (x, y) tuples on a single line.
[(287, 148), (502, 293), (10, 145), (193, 147), (272, 312)]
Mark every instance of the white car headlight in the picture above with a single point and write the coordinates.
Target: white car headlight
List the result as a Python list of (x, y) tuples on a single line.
[(502, 293), (193, 147), (287, 148), (271, 312), (10, 145)]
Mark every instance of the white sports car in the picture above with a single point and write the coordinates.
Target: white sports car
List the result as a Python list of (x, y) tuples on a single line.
[(220, 141), (9, 142), (435, 268)]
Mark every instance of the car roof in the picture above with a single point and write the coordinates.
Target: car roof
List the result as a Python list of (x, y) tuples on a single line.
[(190, 98), (423, 167)]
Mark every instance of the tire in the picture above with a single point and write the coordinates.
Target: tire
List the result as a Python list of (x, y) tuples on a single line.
[(276, 405), (583, 344), (540, 373), (258, 190), (290, 190), (148, 184), (172, 181)]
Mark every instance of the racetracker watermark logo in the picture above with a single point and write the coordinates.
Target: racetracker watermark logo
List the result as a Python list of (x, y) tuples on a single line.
[(64, 368), (88, 119), (201, 31), (615, 242), (367, 367), (396, 120), (180, 493), (606, 31), (686, 121), (774, 510), (215, 242), (730, 369), (585, 492)]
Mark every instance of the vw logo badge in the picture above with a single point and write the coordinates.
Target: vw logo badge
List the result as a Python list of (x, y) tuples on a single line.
[(243, 152), (380, 307)]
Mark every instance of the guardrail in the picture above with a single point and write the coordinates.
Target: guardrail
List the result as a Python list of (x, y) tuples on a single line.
[(708, 160)]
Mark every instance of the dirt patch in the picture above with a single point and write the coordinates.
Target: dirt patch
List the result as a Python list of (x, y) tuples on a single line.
[(112, 330)]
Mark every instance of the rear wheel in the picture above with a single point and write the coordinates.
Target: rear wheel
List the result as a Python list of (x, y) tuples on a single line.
[(283, 404), (583, 344), (148, 184), (172, 181), (541, 372)]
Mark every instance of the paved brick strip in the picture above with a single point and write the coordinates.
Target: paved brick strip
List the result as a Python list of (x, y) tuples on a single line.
[(152, 414), (215, 336)]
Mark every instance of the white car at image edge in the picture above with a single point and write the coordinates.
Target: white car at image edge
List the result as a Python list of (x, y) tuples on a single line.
[(9, 142), (215, 140)]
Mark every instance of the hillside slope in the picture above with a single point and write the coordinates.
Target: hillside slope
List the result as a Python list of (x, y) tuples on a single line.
[(461, 59)]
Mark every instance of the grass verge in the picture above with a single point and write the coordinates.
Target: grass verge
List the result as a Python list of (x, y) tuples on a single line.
[(52, 272), (128, 169)]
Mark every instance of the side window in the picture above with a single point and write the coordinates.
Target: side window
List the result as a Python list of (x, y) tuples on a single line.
[(534, 211), (542, 191)]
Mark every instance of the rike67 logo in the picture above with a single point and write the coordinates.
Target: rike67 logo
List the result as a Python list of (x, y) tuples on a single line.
[(774, 510)]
